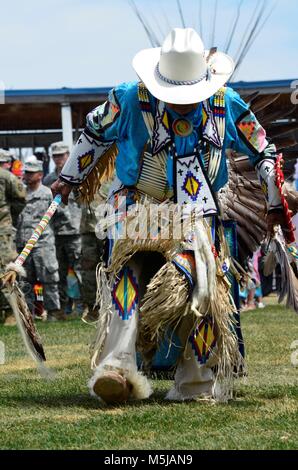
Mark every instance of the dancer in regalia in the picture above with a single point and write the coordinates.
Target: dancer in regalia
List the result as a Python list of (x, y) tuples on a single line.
[(168, 136)]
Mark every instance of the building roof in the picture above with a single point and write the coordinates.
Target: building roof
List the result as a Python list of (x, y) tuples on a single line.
[(32, 118), (58, 95)]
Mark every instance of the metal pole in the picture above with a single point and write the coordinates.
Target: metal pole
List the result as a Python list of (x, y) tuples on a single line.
[(66, 118)]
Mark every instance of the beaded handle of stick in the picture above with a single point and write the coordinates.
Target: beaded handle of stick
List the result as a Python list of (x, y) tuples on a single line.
[(40, 228)]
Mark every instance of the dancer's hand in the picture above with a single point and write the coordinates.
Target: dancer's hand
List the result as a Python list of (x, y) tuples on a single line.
[(63, 188), (8, 278)]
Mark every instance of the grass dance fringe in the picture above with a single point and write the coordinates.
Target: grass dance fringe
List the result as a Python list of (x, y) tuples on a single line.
[(123, 251), (104, 306), (222, 310), (148, 236), (227, 354), (166, 303), (163, 306), (167, 300)]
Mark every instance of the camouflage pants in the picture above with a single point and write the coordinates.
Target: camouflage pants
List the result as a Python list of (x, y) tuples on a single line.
[(68, 248), (92, 249), (7, 254), (42, 266)]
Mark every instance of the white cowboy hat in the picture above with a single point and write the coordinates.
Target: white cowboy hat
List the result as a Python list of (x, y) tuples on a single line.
[(182, 71)]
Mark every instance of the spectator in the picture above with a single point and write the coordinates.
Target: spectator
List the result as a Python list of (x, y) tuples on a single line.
[(257, 278), (44, 158), (66, 223), (41, 265), (12, 201), (6, 159), (254, 294)]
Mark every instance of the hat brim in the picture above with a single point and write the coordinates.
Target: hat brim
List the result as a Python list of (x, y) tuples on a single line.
[(27, 170), (145, 63)]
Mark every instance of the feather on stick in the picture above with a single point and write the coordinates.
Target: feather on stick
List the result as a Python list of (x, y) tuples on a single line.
[(28, 330), (17, 299)]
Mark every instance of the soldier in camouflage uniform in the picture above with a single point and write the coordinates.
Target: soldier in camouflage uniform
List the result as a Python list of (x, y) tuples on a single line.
[(6, 159), (66, 223), (12, 201), (42, 265)]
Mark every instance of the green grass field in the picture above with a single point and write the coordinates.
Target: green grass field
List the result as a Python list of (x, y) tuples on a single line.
[(36, 414)]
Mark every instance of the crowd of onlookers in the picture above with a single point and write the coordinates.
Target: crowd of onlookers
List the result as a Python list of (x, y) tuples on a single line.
[(258, 285), (60, 278)]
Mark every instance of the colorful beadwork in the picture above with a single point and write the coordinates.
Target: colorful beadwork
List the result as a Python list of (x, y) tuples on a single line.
[(192, 186), (185, 262), (210, 131), (161, 133), (107, 113), (264, 187), (182, 127), (125, 294), (85, 160), (252, 132), (293, 251), (203, 340)]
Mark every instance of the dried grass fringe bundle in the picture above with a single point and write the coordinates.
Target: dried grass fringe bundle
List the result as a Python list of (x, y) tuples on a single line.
[(167, 301), (163, 306), (104, 306), (222, 310), (124, 249), (228, 358)]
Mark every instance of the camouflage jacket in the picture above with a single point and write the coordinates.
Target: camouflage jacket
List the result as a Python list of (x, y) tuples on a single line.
[(89, 219), (12, 200), (37, 202), (67, 219)]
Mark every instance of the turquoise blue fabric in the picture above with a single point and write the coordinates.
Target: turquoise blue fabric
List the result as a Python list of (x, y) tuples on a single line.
[(131, 135)]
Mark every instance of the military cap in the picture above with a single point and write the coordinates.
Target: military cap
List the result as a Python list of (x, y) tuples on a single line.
[(33, 165), (5, 156), (59, 148)]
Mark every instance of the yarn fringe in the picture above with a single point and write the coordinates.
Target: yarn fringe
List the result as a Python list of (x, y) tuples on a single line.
[(103, 171)]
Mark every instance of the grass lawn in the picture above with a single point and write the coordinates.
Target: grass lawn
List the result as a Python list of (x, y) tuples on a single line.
[(36, 414)]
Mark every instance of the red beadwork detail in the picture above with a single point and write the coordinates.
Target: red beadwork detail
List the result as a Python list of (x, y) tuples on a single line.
[(280, 179), (214, 252)]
